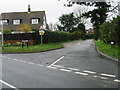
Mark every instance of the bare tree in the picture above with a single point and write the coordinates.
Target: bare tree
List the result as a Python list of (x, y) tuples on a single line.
[(53, 26)]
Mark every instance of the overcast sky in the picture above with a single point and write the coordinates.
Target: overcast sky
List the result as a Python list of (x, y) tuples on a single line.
[(53, 8)]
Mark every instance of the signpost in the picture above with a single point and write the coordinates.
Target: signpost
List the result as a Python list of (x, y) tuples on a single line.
[(41, 33), (24, 41)]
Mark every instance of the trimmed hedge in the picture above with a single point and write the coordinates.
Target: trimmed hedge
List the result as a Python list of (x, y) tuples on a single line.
[(56, 36), (48, 37)]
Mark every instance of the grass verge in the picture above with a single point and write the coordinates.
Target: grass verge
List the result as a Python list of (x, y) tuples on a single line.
[(35, 48), (107, 49)]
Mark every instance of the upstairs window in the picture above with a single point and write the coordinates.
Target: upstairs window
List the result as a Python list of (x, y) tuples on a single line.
[(4, 22), (16, 22), (35, 21)]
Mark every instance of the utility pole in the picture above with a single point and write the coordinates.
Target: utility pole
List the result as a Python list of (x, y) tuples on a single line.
[(1, 28)]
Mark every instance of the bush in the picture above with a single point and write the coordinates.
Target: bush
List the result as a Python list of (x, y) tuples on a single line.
[(7, 31), (110, 31), (24, 28), (89, 36)]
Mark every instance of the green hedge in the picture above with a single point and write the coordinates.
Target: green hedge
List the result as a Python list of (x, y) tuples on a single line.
[(56, 36)]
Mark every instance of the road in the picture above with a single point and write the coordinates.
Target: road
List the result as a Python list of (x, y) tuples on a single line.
[(76, 66)]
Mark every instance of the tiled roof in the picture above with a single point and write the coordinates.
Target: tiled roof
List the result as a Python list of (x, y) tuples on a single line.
[(25, 17)]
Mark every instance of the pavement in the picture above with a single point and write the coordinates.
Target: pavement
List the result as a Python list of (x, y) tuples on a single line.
[(76, 66)]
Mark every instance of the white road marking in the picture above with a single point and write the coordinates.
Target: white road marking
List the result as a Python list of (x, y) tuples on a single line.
[(107, 75), (91, 72), (39, 65), (65, 70), (103, 77), (85, 74), (78, 43), (30, 62), (51, 67), (22, 61), (9, 85), (74, 69), (116, 80), (58, 66), (57, 60), (16, 59), (95, 76)]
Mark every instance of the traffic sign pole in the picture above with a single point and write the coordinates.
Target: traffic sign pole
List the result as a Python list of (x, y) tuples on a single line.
[(41, 40), (41, 32)]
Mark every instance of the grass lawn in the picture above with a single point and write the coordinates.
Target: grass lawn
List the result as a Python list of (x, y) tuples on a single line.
[(35, 48), (108, 49)]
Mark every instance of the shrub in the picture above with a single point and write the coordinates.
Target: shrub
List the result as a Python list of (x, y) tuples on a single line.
[(110, 31), (24, 28), (7, 31)]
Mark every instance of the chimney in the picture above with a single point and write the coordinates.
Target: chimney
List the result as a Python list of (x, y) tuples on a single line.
[(29, 10)]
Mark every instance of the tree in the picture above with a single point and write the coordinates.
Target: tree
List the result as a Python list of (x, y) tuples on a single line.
[(68, 21), (24, 28), (81, 29), (109, 31), (53, 26), (98, 15)]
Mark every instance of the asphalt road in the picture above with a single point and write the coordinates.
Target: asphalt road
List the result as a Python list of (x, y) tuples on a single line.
[(76, 66)]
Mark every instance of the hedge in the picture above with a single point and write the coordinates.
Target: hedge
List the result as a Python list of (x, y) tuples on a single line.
[(56, 36), (48, 37)]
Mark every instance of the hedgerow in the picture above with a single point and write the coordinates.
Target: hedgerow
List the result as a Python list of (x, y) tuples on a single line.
[(57, 36)]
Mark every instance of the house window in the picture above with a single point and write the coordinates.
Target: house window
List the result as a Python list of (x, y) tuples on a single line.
[(4, 22), (16, 22), (35, 21)]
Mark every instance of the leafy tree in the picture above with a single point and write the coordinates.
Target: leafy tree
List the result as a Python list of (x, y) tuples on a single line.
[(116, 31), (81, 28), (98, 16), (105, 32), (109, 31), (24, 28), (68, 21)]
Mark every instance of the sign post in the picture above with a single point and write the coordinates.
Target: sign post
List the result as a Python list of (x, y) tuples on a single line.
[(41, 33)]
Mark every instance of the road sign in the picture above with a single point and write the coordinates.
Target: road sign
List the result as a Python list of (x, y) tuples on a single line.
[(41, 28), (24, 40), (42, 33)]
